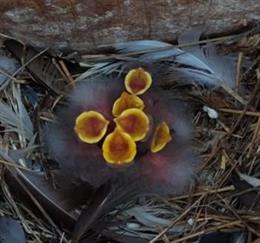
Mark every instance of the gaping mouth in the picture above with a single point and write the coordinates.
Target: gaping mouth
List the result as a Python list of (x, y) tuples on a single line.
[(127, 101), (132, 124), (161, 137), (138, 81), (91, 126), (119, 148)]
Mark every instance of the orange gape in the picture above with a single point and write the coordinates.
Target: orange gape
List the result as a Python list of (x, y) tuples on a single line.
[(127, 101), (91, 126), (161, 137), (132, 124), (138, 81), (119, 148)]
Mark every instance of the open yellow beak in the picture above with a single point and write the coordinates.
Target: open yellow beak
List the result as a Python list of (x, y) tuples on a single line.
[(137, 81), (119, 148), (91, 126), (161, 137), (134, 122), (126, 101)]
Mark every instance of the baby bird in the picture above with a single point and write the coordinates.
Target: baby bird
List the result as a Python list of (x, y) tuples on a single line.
[(124, 132), (124, 128)]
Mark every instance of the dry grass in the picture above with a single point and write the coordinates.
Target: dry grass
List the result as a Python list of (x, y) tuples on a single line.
[(229, 147)]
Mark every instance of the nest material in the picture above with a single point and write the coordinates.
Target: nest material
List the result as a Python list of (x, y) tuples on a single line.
[(226, 194)]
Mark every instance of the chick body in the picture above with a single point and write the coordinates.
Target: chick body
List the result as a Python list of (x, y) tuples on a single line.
[(82, 161), (167, 171)]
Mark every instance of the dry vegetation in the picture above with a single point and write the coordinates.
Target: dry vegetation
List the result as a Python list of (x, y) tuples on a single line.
[(226, 195)]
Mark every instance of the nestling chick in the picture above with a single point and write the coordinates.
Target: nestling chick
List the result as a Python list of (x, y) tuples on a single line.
[(124, 130)]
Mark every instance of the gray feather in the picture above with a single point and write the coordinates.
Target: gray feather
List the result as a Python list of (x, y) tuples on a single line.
[(142, 45), (7, 66), (191, 64), (16, 122), (154, 50), (203, 64)]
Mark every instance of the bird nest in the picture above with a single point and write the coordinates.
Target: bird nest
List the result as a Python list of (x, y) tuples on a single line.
[(223, 203)]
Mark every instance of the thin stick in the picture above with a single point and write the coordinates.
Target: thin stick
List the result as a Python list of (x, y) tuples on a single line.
[(211, 229), (239, 61), (14, 165), (176, 220), (210, 191), (234, 94), (255, 136), (70, 80), (29, 61), (249, 113)]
